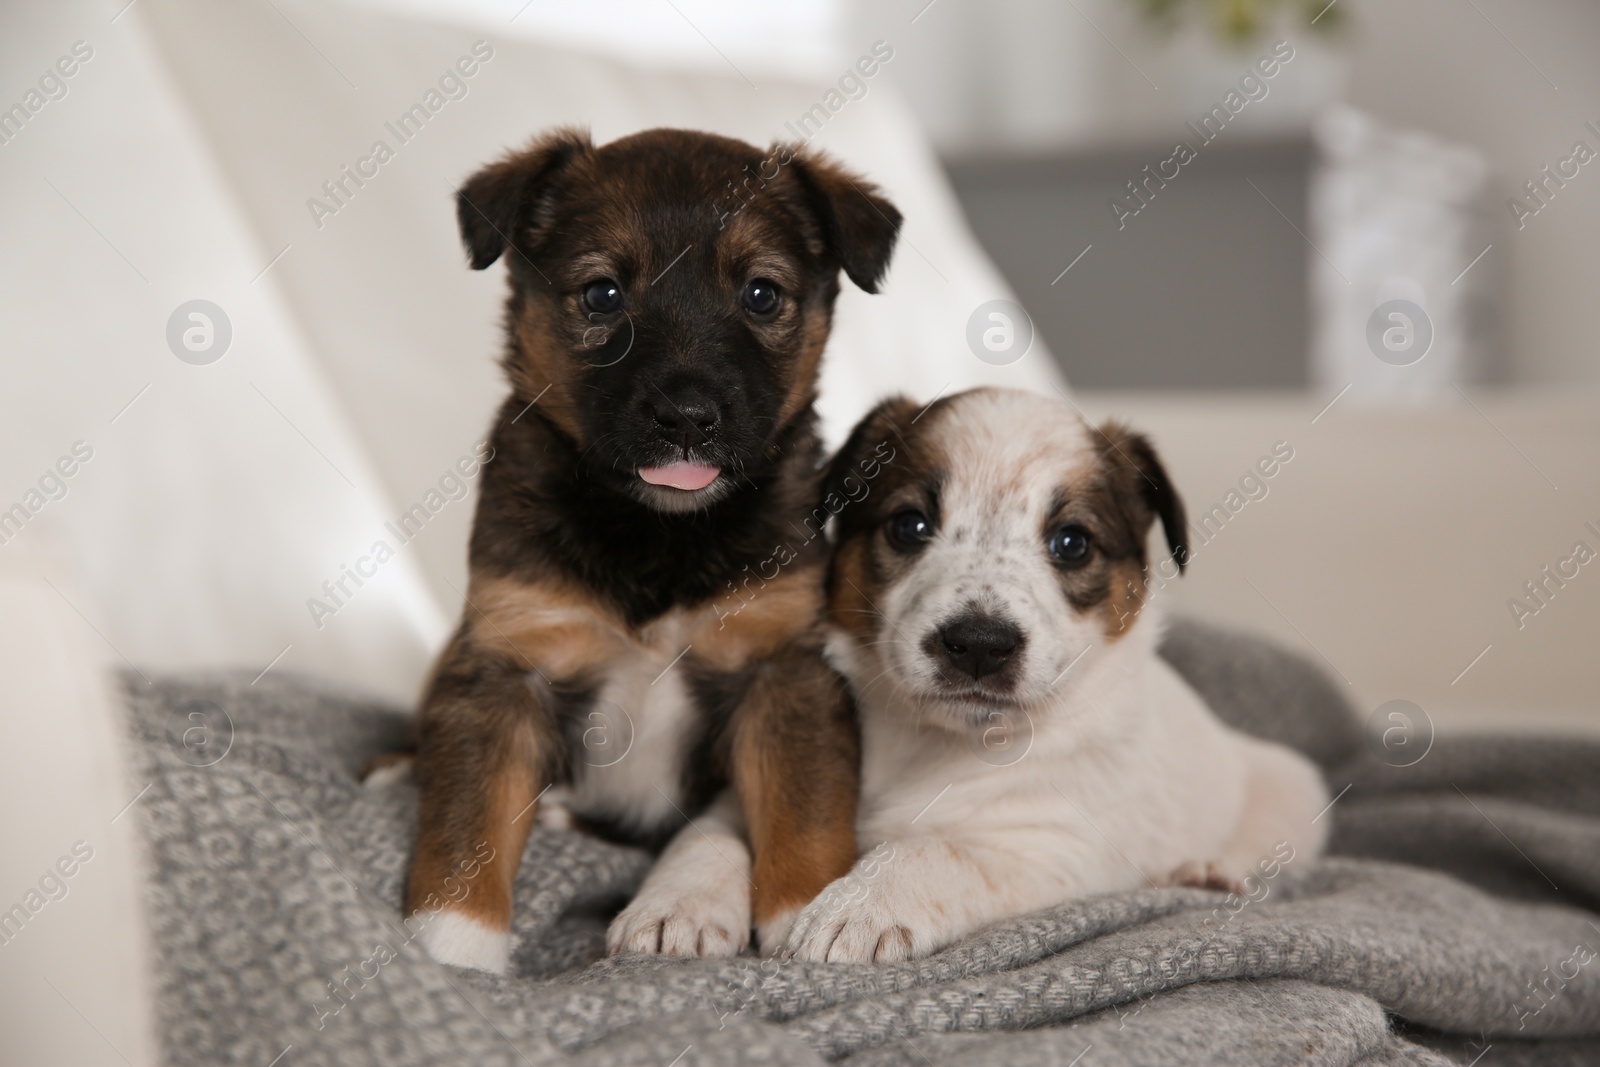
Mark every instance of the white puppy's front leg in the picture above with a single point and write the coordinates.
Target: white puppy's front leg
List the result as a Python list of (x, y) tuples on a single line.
[(696, 899), (908, 898), (1285, 798)]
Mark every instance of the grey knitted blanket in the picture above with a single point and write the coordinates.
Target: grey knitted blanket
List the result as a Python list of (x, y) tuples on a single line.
[(1455, 922)]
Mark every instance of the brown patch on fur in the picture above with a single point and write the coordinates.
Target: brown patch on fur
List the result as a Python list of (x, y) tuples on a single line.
[(478, 884), (542, 371), (485, 751), (1116, 500), (893, 453), (851, 591), (814, 329), (737, 633), (744, 253), (1141, 488), (795, 759), (1125, 598), (567, 635), (1089, 498), (548, 626)]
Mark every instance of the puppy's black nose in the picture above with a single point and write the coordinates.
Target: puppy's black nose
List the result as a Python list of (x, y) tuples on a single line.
[(977, 645), (685, 417)]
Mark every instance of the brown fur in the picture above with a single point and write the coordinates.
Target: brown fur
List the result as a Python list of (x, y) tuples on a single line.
[(799, 795), (481, 756), (539, 372), (573, 575), (726, 641), (1142, 489), (1124, 598), (559, 631), (863, 565)]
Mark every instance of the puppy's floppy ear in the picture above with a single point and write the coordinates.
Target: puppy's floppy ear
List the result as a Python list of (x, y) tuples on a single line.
[(878, 439), (1138, 472), (858, 225), (496, 204)]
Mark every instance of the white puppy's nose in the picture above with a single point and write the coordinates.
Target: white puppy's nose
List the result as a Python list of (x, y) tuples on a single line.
[(979, 645)]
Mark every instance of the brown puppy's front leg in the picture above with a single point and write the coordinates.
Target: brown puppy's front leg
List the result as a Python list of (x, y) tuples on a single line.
[(484, 741), (796, 766)]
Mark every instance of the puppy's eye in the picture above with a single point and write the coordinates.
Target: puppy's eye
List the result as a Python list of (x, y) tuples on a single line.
[(1070, 544), (760, 296), (909, 528), (602, 297)]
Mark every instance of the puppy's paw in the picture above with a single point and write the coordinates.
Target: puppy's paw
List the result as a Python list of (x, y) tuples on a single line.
[(1212, 875), (387, 769), (836, 928), (773, 934), (555, 816), (461, 941), (677, 922)]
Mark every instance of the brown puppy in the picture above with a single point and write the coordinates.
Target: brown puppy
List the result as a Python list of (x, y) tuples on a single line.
[(640, 630)]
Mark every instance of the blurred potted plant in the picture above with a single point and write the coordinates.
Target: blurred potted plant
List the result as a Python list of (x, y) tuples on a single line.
[(1205, 45), (1243, 21)]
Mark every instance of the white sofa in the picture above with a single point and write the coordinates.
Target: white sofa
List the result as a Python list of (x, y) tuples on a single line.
[(216, 499)]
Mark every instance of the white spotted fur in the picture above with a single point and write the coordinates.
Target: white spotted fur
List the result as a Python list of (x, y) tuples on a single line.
[(1111, 776)]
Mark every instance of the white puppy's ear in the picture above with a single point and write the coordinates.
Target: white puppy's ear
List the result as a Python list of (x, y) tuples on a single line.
[(878, 441), (1138, 477)]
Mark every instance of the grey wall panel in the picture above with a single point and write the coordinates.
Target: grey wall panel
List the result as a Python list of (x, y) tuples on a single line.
[(1204, 288)]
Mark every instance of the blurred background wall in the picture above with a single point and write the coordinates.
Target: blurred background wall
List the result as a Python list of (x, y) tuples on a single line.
[(1084, 82)]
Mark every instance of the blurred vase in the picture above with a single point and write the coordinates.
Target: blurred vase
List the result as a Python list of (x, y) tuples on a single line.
[(1402, 305)]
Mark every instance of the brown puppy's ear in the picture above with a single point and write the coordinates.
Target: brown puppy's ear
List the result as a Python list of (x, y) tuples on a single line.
[(1137, 472), (877, 440), (859, 226), (496, 204)]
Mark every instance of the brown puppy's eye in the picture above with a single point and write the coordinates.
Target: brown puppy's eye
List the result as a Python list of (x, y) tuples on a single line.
[(602, 297), (760, 296), (1069, 545)]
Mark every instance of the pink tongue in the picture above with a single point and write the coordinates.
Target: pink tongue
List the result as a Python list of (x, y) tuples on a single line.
[(681, 475)]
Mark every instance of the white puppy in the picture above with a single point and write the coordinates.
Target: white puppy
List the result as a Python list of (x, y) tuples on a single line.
[(1022, 742)]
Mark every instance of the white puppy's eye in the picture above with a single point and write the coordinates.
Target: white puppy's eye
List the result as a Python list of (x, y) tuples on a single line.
[(908, 529), (1070, 544)]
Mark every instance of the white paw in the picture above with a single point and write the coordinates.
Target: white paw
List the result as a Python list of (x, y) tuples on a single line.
[(669, 921), (772, 934), (554, 816), (1212, 875), (453, 938), (855, 923), (388, 774)]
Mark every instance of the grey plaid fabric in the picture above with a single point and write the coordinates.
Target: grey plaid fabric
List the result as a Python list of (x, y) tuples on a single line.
[(1455, 920)]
